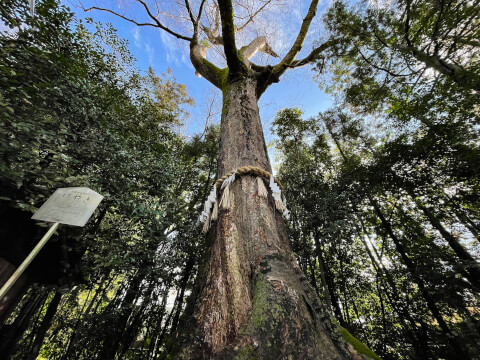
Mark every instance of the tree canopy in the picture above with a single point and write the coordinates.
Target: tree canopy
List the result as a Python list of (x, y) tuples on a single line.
[(383, 188)]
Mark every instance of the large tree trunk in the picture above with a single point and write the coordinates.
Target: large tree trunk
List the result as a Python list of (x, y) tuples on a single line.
[(254, 300)]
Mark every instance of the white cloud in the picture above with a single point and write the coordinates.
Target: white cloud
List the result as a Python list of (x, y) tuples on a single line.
[(150, 53), (176, 51), (136, 36)]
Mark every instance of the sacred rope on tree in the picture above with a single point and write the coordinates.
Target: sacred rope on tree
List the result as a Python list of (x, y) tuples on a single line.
[(253, 301)]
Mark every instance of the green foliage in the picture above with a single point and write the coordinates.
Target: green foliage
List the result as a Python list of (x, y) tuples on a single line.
[(405, 158), (76, 112), (347, 251), (408, 59)]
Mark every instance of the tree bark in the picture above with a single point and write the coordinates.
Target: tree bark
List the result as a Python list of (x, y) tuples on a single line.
[(254, 299)]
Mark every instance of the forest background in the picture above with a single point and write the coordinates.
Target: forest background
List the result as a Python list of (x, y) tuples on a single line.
[(382, 188)]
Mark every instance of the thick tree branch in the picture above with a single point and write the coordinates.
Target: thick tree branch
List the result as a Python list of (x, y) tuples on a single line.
[(204, 67), (287, 61), (258, 44), (235, 64), (407, 24), (455, 72), (468, 41)]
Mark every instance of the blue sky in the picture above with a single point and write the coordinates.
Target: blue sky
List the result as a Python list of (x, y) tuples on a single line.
[(159, 50)]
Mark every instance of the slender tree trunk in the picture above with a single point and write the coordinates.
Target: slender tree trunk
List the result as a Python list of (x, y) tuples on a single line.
[(421, 344), (112, 340), (313, 278), (71, 340), (10, 335), (46, 322), (152, 348), (456, 345), (181, 295), (329, 288), (130, 333), (471, 265), (469, 224), (384, 320), (254, 301)]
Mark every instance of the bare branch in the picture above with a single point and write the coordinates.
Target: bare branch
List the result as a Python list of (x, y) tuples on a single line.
[(252, 17), (119, 15), (212, 36), (189, 10), (212, 30), (160, 25), (156, 23), (212, 109)]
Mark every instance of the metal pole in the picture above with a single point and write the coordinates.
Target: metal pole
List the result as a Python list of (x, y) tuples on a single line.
[(27, 261)]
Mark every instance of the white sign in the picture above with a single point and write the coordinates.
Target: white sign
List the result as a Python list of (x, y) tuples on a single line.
[(71, 206)]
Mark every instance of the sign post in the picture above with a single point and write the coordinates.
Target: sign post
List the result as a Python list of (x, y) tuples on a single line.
[(70, 206)]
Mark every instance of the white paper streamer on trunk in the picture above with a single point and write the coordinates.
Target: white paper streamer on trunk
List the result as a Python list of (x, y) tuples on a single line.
[(276, 193), (32, 7), (286, 213), (205, 216), (206, 226), (225, 201)]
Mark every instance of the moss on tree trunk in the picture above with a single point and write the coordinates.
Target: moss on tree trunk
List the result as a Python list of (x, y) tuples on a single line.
[(253, 301)]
